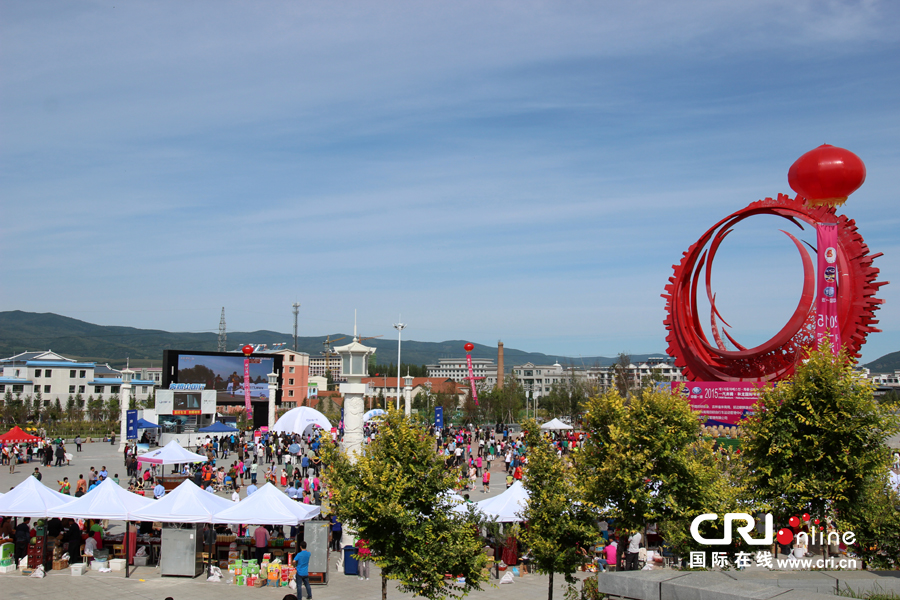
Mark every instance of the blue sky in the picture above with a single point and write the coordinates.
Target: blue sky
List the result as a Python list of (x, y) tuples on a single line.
[(526, 171)]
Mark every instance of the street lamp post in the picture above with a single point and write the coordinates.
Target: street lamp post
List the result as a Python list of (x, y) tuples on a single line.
[(399, 327)]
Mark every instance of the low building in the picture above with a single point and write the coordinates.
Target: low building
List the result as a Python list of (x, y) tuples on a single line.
[(56, 377), (457, 369)]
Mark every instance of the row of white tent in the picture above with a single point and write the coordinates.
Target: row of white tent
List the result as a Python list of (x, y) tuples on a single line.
[(185, 504)]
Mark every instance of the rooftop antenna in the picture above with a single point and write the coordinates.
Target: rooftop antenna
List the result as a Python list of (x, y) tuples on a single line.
[(354, 324), (296, 306), (223, 338)]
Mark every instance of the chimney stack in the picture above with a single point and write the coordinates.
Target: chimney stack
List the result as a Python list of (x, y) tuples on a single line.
[(499, 365)]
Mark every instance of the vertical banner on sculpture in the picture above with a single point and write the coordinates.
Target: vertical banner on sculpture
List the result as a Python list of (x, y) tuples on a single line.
[(472, 377), (247, 406), (439, 417), (827, 282)]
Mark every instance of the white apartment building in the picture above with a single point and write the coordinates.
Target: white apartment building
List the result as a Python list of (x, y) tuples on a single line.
[(458, 370), (58, 377), (318, 365), (538, 380)]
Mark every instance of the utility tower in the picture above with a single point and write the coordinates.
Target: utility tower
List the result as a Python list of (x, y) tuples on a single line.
[(223, 338), (296, 306)]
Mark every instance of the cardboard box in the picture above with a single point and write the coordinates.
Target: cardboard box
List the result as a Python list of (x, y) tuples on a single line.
[(239, 580), (259, 582), (7, 568)]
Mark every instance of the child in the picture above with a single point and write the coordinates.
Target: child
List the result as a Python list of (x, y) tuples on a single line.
[(486, 480), (509, 480)]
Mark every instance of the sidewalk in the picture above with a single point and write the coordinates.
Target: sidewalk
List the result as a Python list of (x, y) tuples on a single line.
[(145, 582)]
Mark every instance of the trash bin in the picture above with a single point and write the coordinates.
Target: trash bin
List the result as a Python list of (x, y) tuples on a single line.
[(351, 565)]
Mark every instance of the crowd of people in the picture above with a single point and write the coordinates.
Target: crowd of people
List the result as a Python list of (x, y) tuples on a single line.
[(239, 461)]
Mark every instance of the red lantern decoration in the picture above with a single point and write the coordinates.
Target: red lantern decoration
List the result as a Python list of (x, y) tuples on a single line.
[(469, 346), (827, 175), (247, 350)]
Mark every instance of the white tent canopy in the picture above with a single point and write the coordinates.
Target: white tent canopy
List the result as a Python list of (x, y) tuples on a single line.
[(31, 498), (508, 506), (171, 454), (106, 501), (555, 424), (298, 420), (267, 506), (185, 504)]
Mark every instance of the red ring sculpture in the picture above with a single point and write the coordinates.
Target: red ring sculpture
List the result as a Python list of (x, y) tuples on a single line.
[(775, 359)]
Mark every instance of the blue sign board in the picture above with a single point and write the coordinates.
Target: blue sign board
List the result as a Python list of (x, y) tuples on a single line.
[(131, 420), (439, 417)]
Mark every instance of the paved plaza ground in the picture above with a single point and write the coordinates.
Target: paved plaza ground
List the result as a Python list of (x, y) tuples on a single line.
[(145, 582)]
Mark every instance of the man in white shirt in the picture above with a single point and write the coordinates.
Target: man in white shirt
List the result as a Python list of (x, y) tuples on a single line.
[(634, 547), (236, 494)]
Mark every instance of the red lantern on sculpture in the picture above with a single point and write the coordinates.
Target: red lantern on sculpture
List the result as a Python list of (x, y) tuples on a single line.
[(469, 346), (247, 350), (827, 175)]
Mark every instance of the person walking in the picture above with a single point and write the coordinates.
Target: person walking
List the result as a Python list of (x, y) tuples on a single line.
[(78, 443), (301, 559)]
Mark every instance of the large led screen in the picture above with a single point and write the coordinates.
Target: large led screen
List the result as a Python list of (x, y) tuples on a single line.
[(223, 372)]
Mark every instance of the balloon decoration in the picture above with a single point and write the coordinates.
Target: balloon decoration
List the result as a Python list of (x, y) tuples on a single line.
[(823, 177)]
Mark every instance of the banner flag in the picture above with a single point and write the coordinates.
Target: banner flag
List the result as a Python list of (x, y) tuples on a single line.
[(247, 406), (827, 282)]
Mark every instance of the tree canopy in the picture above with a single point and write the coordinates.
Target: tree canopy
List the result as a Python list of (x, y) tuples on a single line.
[(393, 497), (559, 525)]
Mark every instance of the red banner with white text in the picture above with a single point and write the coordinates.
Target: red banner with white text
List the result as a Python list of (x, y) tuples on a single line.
[(721, 402)]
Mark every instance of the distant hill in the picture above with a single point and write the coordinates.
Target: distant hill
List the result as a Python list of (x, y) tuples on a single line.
[(21, 331), (886, 364)]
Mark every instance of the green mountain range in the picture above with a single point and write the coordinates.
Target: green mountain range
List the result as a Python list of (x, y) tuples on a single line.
[(22, 331), (886, 364)]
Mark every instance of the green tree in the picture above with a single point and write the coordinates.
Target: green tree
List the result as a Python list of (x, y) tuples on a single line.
[(114, 408), (393, 497), (95, 407), (56, 411), (818, 444), (621, 375), (27, 408), (150, 402), (644, 462), (70, 408), (559, 524)]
